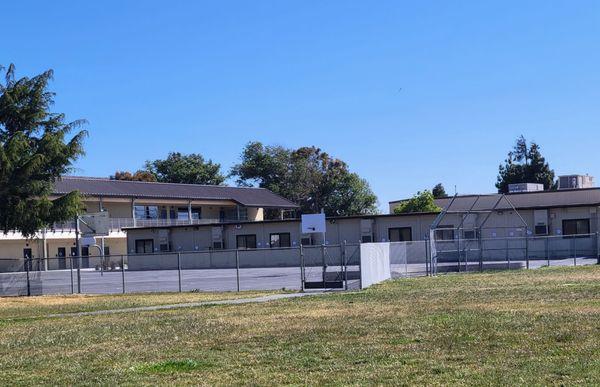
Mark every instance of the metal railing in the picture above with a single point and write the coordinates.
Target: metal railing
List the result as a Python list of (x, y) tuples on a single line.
[(116, 224)]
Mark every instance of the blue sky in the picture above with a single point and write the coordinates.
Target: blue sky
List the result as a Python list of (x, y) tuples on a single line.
[(408, 93)]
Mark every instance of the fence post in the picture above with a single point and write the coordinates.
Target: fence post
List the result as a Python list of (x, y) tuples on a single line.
[(458, 250), (547, 250), (179, 270), (123, 272), (324, 263), (237, 268), (597, 248), (27, 271), (527, 250), (71, 267), (574, 252), (302, 268), (79, 273), (345, 266), (480, 245), (426, 257)]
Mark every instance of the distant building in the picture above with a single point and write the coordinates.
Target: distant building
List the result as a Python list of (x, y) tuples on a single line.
[(135, 204)]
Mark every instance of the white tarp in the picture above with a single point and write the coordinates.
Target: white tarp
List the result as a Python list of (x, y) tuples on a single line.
[(374, 263)]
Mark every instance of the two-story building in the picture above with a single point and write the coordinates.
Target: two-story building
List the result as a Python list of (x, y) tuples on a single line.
[(136, 204)]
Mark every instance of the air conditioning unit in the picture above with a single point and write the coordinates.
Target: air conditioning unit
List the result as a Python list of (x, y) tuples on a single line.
[(575, 181)]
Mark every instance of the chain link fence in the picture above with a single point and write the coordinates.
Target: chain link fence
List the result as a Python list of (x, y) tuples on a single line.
[(516, 252), (291, 268), (294, 268)]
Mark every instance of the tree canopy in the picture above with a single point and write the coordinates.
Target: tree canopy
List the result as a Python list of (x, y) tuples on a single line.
[(439, 192), (524, 164), (188, 169), (137, 176), (423, 201), (306, 176), (35, 150)]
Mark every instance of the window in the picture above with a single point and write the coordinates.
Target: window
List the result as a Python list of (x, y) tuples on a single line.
[(146, 212), (400, 234), (164, 247), (85, 251), (144, 246), (246, 241), (280, 240), (306, 241), (576, 226), (444, 233), (106, 250), (62, 252), (469, 234), (541, 229), (366, 239), (182, 213)]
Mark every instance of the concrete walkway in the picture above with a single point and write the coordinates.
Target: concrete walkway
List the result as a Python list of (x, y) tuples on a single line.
[(235, 301)]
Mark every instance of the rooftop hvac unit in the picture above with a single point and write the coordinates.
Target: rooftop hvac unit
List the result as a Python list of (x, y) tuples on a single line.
[(525, 187), (575, 181)]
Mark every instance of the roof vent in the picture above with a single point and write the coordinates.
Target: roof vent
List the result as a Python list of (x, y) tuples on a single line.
[(525, 187)]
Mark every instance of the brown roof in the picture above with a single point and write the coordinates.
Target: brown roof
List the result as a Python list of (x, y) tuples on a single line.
[(92, 186), (525, 200)]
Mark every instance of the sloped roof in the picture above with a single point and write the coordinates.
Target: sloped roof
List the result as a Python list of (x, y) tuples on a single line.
[(93, 186), (525, 200)]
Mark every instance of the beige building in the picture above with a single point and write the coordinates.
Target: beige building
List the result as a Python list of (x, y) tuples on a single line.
[(138, 204), (549, 213)]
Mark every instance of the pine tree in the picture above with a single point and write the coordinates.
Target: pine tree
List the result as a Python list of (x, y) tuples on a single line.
[(34, 153)]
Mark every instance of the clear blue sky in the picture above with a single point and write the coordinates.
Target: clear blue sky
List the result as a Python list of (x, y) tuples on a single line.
[(409, 94)]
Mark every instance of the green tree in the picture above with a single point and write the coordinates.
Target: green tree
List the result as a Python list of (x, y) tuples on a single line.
[(524, 164), (188, 169), (306, 176), (439, 192), (35, 150), (137, 176), (423, 201)]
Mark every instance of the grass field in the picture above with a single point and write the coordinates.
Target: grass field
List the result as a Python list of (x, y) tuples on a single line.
[(520, 327)]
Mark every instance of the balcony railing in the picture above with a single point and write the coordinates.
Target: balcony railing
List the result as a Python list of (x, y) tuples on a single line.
[(116, 224)]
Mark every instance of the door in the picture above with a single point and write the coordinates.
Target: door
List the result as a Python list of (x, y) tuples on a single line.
[(62, 257), (73, 259), (85, 256)]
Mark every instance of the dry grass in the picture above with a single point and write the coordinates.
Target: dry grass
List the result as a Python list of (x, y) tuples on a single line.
[(515, 328), (39, 306)]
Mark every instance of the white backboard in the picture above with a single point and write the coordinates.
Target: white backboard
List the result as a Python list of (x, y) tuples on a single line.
[(96, 224), (313, 223)]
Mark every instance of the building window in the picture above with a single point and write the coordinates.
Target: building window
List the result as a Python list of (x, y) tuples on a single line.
[(306, 241), (280, 240), (444, 233), (164, 247), (400, 234), (146, 212), (541, 229), (85, 251), (366, 239), (470, 234), (144, 246), (576, 226), (106, 250), (246, 241)]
